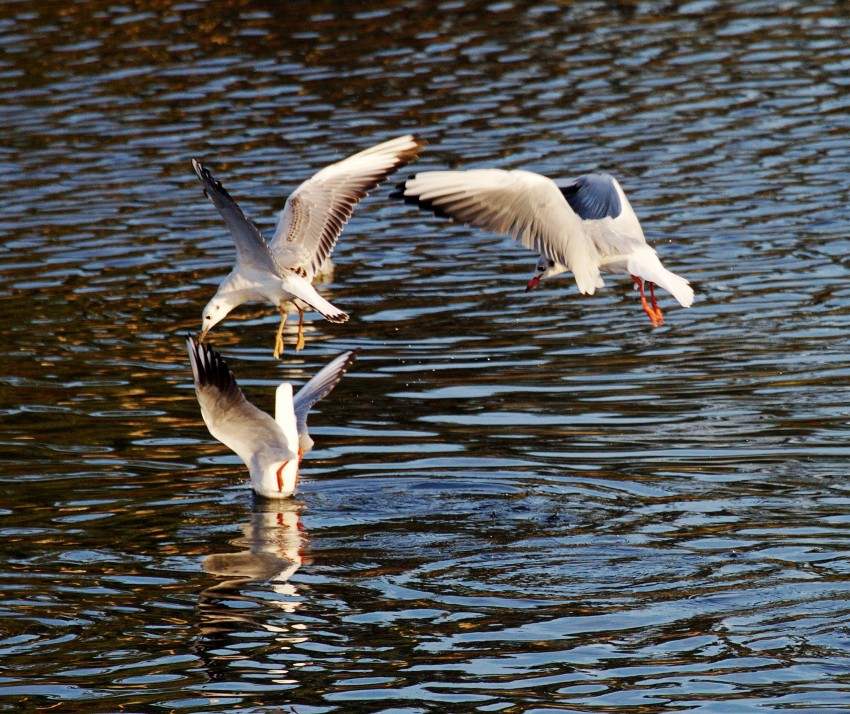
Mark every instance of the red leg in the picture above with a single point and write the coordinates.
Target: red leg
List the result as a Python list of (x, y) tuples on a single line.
[(280, 476), (646, 306), (298, 470), (655, 304)]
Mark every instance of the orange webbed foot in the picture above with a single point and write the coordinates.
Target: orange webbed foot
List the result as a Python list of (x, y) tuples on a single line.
[(653, 311), (657, 310)]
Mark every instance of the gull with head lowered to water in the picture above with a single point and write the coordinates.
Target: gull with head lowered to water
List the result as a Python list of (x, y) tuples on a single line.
[(585, 226), (271, 448), (282, 271)]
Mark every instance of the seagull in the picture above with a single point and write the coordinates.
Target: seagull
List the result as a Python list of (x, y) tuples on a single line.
[(282, 271), (271, 448), (585, 226)]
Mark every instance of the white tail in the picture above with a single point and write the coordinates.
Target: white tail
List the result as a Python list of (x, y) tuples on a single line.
[(644, 263)]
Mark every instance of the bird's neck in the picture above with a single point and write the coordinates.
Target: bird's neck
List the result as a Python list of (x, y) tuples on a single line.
[(284, 415)]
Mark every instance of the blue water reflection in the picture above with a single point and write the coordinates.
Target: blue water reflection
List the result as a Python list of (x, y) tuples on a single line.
[(516, 501)]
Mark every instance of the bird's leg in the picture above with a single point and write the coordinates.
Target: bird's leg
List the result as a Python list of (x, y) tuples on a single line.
[(280, 476), (654, 304), (278, 340), (298, 469), (299, 344), (646, 306)]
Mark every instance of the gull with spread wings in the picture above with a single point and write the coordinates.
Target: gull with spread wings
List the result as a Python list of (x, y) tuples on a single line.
[(282, 271), (585, 226), (271, 448)]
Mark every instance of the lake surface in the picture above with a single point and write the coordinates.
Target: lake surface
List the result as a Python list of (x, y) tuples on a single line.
[(517, 502)]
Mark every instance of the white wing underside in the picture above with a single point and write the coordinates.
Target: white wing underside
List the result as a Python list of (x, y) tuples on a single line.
[(525, 205), (319, 387), (316, 212), (611, 241)]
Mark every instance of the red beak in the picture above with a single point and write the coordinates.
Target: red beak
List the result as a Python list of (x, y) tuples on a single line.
[(532, 283)]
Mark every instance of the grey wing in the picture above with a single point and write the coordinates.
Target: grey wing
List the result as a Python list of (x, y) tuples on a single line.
[(610, 220), (229, 416), (251, 247), (317, 211), (320, 386), (593, 196)]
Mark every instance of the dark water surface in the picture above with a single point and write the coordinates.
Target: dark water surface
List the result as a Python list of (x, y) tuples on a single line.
[(517, 502)]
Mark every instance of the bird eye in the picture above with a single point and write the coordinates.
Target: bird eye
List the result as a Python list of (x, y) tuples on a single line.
[(208, 317)]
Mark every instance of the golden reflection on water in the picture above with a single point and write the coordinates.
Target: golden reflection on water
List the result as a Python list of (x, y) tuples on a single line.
[(515, 501)]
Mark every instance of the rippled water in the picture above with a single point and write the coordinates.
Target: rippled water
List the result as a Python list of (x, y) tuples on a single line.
[(517, 502)]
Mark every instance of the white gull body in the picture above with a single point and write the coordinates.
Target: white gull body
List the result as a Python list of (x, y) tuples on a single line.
[(308, 227), (585, 226), (271, 448)]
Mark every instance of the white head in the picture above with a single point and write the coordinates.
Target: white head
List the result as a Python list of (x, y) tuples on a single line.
[(277, 480), (545, 268), (305, 443), (216, 310)]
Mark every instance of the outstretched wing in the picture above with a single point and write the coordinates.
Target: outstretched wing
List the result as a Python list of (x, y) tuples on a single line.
[(317, 211), (525, 205), (229, 416), (320, 386), (251, 247)]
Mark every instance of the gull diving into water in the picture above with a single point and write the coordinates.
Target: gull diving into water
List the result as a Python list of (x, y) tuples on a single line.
[(584, 226), (271, 448), (282, 271)]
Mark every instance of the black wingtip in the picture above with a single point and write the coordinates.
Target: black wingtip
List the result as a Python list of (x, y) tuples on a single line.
[(209, 181), (203, 173), (351, 359), (413, 200), (398, 191), (208, 366), (411, 154), (427, 205), (199, 169)]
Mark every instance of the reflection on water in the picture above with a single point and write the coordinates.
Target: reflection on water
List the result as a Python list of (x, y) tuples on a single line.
[(234, 609), (274, 541), (516, 501)]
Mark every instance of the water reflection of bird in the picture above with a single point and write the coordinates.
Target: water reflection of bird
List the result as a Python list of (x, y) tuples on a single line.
[(271, 552), (585, 226), (271, 448), (282, 271)]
